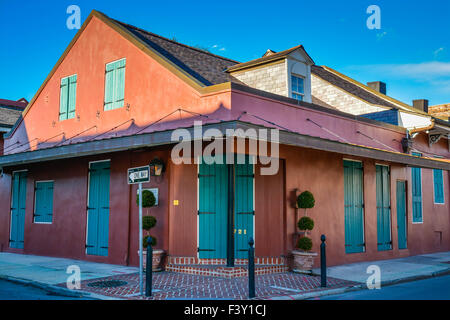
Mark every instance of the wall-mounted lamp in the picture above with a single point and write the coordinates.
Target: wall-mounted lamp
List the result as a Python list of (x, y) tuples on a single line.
[(156, 167)]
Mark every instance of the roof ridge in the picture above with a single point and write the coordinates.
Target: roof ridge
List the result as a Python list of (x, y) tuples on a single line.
[(372, 91), (175, 42)]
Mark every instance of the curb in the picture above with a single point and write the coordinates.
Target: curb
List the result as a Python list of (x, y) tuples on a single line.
[(358, 287), (56, 289)]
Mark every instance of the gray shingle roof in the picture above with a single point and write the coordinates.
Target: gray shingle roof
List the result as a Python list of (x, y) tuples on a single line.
[(9, 116), (206, 67), (350, 87)]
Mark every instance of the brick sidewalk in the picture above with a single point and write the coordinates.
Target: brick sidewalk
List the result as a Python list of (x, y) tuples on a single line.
[(170, 285)]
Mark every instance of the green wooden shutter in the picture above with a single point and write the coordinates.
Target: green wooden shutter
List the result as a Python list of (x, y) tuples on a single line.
[(243, 206), (43, 211), (438, 186), (213, 210), (72, 97), (109, 86), (416, 176), (63, 98), (17, 228), (115, 84), (383, 197), (98, 209), (354, 207), (401, 215), (119, 82)]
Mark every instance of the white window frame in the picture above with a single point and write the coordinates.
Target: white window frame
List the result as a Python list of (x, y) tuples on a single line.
[(302, 94)]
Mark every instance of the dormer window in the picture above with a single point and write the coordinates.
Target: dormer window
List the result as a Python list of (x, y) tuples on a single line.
[(297, 87)]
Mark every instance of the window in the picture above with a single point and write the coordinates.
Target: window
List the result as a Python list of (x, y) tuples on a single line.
[(297, 88), (416, 175), (438, 186), (43, 206), (115, 84), (68, 92)]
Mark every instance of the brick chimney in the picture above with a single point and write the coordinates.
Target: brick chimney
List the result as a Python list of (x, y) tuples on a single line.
[(378, 86), (421, 104)]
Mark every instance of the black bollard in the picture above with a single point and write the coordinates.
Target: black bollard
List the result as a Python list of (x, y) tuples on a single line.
[(251, 269), (149, 269), (323, 263)]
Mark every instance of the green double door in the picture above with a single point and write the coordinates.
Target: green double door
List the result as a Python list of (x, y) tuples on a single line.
[(17, 228), (223, 187), (98, 209)]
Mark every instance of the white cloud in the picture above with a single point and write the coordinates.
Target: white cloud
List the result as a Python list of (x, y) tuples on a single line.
[(381, 35), (419, 71), (438, 52), (218, 47)]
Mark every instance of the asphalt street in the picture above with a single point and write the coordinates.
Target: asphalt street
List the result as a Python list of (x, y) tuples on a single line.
[(14, 291), (437, 288)]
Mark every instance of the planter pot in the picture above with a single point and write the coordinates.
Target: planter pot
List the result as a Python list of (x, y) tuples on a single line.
[(158, 256), (303, 261)]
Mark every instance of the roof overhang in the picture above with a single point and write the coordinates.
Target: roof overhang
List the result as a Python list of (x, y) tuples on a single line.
[(153, 139)]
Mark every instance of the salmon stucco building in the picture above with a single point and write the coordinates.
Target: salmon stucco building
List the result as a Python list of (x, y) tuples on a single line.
[(117, 96)]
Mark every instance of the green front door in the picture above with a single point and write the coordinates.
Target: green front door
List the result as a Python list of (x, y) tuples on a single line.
[(384, 241), (353, 207), (19, 190), (213, 213), (401, 214), (98, 209)]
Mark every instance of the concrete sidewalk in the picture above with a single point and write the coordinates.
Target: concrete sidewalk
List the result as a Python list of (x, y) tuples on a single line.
[(394, 270), (47, 272)]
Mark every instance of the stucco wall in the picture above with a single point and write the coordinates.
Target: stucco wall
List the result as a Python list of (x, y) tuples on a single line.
[(66, 235)]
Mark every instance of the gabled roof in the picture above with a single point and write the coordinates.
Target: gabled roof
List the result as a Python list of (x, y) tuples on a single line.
[(10, 111), (269, 58), (360, 90), (9, 116), (19, 104), (206, 67)]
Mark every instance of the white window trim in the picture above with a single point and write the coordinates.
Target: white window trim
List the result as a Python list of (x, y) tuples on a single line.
[(34, 208)]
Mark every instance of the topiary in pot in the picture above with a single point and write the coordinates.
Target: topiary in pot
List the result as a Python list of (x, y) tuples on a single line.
[(145, 241), (148, 199), (304, 244), (306, 200), (148, 222), (305, 223)]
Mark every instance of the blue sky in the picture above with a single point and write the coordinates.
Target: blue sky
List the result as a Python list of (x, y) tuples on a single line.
[(411, 51)]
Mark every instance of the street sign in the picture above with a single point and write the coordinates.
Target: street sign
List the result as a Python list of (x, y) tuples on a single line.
[(139, 175)]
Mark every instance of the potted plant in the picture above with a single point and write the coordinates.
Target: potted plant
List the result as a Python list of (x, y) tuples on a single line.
[(148, 222), (303, 257)]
